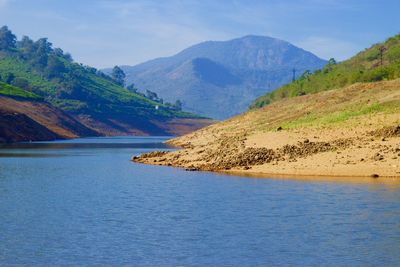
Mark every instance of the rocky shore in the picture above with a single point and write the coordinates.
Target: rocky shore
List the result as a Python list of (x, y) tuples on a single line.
[(306, 135), (373, 154)]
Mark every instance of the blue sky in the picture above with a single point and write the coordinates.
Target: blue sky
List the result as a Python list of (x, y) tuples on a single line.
[(104, 33)]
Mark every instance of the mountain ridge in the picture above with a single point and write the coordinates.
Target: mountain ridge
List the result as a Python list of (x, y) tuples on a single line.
[(260, 64)]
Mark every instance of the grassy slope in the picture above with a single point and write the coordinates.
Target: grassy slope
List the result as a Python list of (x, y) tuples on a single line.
[(364, 67), (99, 95), (12, 91), (340, 108)]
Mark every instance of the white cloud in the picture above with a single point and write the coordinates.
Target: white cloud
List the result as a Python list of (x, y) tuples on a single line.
[(327, 47)]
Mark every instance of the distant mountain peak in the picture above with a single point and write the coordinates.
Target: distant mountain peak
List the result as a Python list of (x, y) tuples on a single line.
[(221, 78)]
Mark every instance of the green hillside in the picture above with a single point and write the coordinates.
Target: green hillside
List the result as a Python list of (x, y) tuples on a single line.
[(377, 63), (12, 91), (35, 69)]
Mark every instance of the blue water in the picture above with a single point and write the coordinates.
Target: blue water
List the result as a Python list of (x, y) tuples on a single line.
[(82, 202)]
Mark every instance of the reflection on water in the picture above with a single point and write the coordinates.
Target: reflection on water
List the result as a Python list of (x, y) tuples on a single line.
[(82, 202), (393, 182), (57, 149), (80, 145)]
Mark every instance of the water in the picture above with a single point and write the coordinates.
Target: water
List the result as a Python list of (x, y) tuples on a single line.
[(82, 202)]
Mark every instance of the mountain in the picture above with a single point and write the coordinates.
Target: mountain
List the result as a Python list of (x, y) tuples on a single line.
[(220, 78), (35, 72), (377, 63), (340, 121)]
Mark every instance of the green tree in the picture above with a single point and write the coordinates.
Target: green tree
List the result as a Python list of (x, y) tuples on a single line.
[(178, 105), (21, 83), (151, 95), (7, 39), (42, 50), (118, 75), (332, 61), (132, 88), (305, 75), (55, 67), (9, 77), (58, 52), (68, 57), (27, 48)]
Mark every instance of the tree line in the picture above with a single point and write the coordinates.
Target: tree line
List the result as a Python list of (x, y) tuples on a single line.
[(118, 75)]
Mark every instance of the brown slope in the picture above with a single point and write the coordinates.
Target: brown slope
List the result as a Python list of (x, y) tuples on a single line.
[(23, 120), (17, 127), (126, 124), (56, 124)]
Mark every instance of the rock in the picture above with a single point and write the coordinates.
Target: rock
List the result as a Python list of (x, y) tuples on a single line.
[(378, 156), (374, 175)]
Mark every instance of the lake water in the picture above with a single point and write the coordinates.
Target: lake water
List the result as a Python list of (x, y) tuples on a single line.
[(82, 202)]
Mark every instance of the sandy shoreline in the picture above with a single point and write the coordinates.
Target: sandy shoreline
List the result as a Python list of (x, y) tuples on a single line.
[(351, 132), (293, 155)]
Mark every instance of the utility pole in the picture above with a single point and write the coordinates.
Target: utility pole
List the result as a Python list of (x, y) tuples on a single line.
[(294, 75), (381, 50)]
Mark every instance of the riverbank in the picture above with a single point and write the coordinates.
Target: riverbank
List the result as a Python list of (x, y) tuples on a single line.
[(23, 120), (353, 131)]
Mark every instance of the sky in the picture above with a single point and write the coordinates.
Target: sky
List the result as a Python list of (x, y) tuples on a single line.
[(104, 33)]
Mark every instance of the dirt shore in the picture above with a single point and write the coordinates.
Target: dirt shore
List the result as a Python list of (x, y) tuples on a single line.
[(263, 142)]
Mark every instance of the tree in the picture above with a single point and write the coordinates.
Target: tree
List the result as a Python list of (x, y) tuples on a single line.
[(178, 105), (21, 83), (27, 47), (68, 57), (58, 52), (43, 46), (331, 61), (151, 95), (25, 42), (54, 66), (9, 77), (132, 88), (42, 50), (7, 39), (305, 75), (382, 49), (329, 67), (118, 75)]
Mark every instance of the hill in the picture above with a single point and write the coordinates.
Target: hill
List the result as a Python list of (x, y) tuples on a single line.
[(220, 79), (26, 119), (377, 63), (352, 130), (36, 71)]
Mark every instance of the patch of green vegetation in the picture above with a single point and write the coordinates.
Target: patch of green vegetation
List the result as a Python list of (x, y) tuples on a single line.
[(40, 70), (379, 62), (12, 91), (317, 120)]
